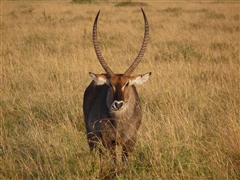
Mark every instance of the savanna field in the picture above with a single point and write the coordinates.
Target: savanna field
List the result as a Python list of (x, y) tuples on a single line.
[(191, 122)]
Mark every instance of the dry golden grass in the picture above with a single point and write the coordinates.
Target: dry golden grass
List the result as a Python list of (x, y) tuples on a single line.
[(190, 128)]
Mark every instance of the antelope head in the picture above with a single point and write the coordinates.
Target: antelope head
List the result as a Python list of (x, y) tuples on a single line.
[(120, 85)]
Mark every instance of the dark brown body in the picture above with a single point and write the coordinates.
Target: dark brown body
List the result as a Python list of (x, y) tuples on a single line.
[(112, 128)]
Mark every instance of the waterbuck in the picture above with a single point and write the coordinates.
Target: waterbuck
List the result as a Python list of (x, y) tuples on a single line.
[(112, 109)]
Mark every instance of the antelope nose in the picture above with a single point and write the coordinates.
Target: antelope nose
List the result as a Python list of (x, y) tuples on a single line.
[(117, 105)]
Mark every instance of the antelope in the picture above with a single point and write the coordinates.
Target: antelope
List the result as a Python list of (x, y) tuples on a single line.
[(111, 105)]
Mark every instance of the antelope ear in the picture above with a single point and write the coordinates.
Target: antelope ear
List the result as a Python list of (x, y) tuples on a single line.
[(100, 79), (139, 79)]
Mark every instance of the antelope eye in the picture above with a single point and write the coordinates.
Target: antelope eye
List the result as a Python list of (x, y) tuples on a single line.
[(113, 88), (127, 83)]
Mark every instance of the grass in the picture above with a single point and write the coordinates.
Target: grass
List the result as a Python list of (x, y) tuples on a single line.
[(190, 127)]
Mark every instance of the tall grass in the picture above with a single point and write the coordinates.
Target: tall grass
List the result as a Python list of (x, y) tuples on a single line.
[(190, 128)]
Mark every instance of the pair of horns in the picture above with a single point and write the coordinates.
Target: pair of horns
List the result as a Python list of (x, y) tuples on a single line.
[(135, 62)]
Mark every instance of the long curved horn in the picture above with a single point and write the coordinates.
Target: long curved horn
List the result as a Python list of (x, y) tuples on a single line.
[(142, 50), (97, 49)]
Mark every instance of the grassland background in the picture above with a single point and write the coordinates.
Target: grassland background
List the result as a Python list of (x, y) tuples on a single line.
[(190, 128)]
